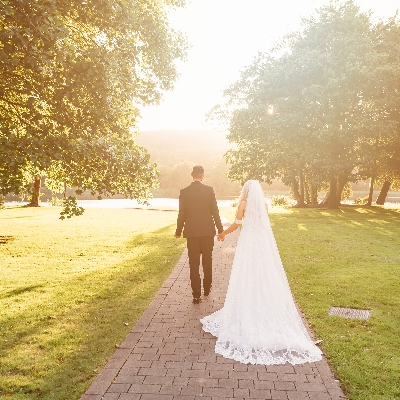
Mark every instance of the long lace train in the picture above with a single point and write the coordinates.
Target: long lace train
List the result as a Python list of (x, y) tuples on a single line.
[(259, 323)]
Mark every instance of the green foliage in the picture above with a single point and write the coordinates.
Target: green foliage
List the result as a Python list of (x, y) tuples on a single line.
[(321, 107), (70, 208), (56, 202), (361, 201), (73, 74), (346, 192), (282, 201)]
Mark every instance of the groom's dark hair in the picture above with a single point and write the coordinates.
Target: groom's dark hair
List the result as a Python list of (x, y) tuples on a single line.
[(198, 172)]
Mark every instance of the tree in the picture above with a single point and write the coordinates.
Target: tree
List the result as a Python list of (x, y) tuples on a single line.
[(379, 150), (217, 178), (73, 74), (316, 110), (177, 177)]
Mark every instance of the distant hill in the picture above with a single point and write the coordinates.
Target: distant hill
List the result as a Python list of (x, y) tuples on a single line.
[(170, 147), (176, 151)]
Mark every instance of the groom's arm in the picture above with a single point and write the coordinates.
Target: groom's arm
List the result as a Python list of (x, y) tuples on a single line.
[(215, 212), (181, 216)]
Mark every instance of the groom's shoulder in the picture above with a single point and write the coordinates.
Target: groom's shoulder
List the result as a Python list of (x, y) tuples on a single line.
[(208, 187), (185, 190), (196, 188)]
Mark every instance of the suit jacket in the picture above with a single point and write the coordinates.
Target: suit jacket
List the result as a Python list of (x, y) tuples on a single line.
[(198, 211)]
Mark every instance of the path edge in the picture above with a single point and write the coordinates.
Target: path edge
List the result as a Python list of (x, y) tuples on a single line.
[(105, 378)]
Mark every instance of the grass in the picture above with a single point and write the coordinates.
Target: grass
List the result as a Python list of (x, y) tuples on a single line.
[(68, 288), (70, 291), (348, 258)]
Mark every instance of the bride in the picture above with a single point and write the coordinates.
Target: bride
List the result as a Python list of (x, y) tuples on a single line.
[(259, 322)]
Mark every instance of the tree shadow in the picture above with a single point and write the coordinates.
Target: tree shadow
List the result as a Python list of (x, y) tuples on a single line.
[(20, 290), (117, 297), (349, 217)]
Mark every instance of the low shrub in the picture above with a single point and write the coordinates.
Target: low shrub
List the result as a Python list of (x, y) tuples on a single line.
[(361, 201), (280, 201), (55, 202)]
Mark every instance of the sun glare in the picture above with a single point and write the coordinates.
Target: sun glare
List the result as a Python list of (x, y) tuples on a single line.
[(218, 54)]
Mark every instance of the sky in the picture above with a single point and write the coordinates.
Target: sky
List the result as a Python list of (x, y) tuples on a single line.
[(224, 36)]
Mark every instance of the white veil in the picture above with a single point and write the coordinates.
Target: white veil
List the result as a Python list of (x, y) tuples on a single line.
[(255, 213), (259, 323)]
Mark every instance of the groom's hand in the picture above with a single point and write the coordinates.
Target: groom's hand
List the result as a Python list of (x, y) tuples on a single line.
[(177, 236)]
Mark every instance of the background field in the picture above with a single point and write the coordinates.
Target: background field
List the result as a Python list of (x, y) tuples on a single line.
[(348, 258), (71, 291)]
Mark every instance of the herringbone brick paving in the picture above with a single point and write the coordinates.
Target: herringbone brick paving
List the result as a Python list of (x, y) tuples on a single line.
[(167, 356)]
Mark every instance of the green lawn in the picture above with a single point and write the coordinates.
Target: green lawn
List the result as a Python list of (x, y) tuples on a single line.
[(72, 290), (348, 258), (68, 288)]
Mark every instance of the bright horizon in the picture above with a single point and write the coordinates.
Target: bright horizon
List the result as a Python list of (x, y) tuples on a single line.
[(225, 35)]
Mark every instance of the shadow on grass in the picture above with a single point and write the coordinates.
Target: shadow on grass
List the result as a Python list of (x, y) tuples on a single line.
[(16, 217), (86, 333), (352, 217), (20, 290)]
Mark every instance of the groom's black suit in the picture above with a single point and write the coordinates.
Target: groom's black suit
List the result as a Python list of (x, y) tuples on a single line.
[(198, 216)]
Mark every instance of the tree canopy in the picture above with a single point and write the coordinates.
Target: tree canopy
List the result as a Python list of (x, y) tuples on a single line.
[(320, 109), (73, 75)]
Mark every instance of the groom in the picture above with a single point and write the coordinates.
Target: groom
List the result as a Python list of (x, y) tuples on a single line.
[(198, 215)]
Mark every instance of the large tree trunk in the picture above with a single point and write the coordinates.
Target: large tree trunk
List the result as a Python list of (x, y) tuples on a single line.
[(314, 194), (371, 191), (302, 187), (307, 187), (313, 191), (383, 193), (341, 183), (332, 200), (36, 192), (296, 193)]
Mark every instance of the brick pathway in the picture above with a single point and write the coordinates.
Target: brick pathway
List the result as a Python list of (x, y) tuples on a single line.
[(168, 356)]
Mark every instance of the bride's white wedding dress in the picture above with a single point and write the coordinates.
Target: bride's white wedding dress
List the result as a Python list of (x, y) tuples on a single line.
[(259, 322)]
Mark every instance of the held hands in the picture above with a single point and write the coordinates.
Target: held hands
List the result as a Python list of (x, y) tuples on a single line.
[(221, 237), (177, 236)]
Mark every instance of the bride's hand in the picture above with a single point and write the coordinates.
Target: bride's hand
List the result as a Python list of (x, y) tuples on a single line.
[(221, 237)]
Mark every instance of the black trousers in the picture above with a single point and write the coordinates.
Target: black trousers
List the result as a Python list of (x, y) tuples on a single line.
[(200, 246)]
